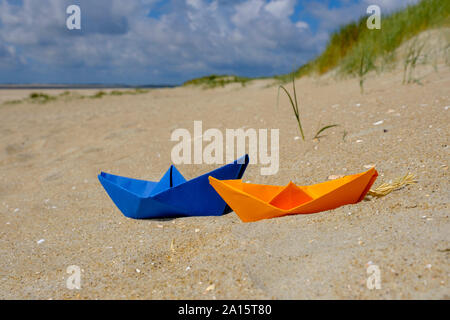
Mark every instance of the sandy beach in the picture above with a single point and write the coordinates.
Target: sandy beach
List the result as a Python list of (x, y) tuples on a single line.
[(54, 213)]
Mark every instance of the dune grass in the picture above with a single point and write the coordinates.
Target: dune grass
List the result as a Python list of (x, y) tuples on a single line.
[(356, 50), (214, 81), (413, 54), (98, 95), (42, 98), (355, 42), (131, 92), (366, 64), (101, 93), (39, 97)]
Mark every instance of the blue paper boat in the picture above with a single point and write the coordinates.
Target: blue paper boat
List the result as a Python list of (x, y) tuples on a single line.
[(172, 196)]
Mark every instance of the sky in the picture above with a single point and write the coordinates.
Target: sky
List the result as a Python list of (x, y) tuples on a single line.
[(140, 42)]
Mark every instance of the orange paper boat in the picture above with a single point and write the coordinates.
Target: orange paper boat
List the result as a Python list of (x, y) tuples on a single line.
[(253, 202)]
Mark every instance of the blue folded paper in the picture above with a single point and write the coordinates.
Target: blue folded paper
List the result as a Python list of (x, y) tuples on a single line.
[(173, 195)]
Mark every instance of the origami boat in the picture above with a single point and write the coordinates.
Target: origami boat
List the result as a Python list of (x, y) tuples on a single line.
[(172, 196), (253, 202)]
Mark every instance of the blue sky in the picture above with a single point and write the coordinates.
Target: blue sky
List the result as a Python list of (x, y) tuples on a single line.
[(166, 41)]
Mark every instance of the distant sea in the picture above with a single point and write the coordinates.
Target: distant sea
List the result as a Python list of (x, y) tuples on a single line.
[(82, 86)]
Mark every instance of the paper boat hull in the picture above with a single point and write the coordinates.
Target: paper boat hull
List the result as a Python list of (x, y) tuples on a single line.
[(134, 206), (137, 199), (255, 202)]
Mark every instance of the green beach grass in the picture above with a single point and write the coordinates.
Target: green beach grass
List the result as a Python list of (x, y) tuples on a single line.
[(294, 104)]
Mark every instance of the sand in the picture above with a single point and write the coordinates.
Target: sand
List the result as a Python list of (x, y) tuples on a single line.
[(54, 212)]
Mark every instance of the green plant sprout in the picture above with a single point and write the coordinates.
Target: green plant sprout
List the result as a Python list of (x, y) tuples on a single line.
[(294, 104)]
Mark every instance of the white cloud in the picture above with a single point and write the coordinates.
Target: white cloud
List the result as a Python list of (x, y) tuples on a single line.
[(281, 8), (195, 37), (302, 25), (247, 11), (197, 4)]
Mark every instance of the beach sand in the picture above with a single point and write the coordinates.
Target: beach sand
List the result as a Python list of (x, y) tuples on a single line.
[(54, 213)]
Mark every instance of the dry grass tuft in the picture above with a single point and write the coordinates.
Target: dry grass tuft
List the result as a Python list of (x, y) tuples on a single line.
[(386, 188)]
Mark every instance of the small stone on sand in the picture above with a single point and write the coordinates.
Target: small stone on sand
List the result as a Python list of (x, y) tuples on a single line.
[(210, 287), (335, 176)]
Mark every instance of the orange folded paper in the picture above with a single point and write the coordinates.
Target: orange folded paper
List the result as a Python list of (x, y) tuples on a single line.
[(253, 202)]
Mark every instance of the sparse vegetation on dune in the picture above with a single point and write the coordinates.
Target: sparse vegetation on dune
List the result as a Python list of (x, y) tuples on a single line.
[(101, 94), (366, 64), (39, 97), (98, 95), (412, 57), (132, 92), (214, 81)]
